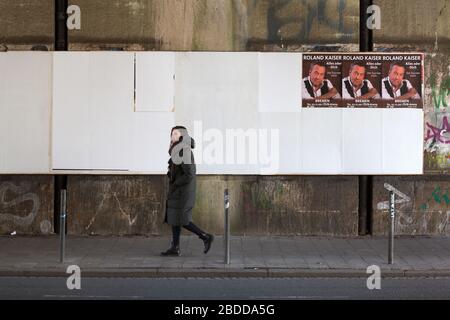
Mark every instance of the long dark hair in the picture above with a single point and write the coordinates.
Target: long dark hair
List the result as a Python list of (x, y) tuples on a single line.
[(177, 128), (172, 144)]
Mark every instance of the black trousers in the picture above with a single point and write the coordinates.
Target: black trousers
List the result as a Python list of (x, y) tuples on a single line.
[(176, 231)]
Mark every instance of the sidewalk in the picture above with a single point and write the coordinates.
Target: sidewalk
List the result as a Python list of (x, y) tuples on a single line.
[(251, 256)]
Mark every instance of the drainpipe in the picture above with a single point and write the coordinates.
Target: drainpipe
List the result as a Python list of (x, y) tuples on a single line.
[(61, 44), (365, 183)]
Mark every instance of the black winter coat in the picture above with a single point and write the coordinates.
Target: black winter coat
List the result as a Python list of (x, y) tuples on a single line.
[(182, 187)]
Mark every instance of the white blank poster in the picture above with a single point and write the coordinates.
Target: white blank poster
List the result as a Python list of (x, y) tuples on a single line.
[(71, 116), (92, 110), (362, 141), (279, 143), (216, 93), (280, 76), (402, 141), (151, 138), (25, 103), (155, 83), (321, 140)]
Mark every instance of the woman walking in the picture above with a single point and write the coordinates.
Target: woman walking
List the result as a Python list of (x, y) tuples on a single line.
[(182, 188)]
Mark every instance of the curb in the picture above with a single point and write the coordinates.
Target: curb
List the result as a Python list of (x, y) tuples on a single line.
[(224, 273)]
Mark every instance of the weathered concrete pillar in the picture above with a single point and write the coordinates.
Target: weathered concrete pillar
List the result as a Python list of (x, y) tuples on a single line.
[(26, 24)]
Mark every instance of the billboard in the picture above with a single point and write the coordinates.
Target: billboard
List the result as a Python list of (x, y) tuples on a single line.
[(244, 110)]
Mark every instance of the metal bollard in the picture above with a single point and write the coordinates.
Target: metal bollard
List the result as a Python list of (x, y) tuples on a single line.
[(391, 229), (62, 225), (227, 228)]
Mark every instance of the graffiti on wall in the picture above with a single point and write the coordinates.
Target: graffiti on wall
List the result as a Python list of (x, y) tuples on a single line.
[(104, 205), (16, 219), (437, 138), (439, 197), (440, 92), (404, 218), (262, 200), (286, 22), (437, 128), (399, 199), (315, 13)]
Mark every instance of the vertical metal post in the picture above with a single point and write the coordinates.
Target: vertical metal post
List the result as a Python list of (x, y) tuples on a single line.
[(362, 205), (391, 228), (365, 182), (62, 225), (61, 32), (227, 228), (61, 43), (365, 34)]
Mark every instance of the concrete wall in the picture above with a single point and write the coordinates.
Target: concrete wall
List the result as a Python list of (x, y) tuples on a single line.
[(25, 24), (219, 25), (427, 211), (424, 27), (436, 108), (325, 205), (115, 204), (408, 22), (259, 205)]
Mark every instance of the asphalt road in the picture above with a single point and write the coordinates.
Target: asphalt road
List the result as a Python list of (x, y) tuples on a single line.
[(223, 288)]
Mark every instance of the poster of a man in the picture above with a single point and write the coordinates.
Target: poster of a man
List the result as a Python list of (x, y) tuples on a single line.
[(321, 80), (356, 86), (395, 86), (316, 86), (362, 80)]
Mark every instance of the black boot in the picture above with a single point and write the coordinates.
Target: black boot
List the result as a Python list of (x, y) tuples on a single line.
[(208, 241), (172, 251)]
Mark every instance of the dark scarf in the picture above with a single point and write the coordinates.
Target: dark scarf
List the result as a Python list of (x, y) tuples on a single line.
[(172, 165), (192, 146)]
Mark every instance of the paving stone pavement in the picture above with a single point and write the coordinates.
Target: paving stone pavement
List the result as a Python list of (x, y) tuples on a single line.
[(250, 256)]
